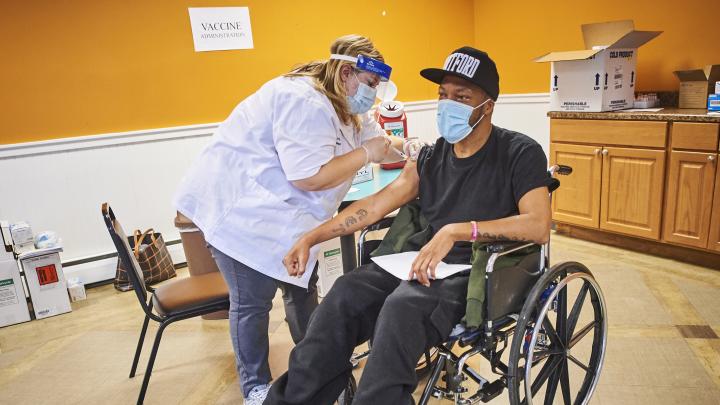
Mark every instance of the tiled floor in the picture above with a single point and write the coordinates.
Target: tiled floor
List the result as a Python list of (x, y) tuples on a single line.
[(663, 348)]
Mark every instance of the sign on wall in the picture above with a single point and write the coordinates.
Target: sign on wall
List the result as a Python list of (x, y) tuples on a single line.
[(220, 28)]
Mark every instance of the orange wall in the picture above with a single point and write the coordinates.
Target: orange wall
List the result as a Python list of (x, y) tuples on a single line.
[(515, 32), (89, 66)]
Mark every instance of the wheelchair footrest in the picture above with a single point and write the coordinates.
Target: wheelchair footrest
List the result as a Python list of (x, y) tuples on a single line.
[(491, 390)]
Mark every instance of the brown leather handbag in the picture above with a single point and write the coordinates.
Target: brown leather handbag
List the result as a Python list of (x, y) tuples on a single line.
[(152, 255)]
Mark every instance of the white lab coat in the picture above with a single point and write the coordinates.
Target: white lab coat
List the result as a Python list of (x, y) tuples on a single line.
[(239, 191)]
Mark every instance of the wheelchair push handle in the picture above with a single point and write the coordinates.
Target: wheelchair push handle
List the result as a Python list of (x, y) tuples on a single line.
[(562, 170)]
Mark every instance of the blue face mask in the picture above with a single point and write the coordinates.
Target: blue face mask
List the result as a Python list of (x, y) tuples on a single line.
[(453, 117), (363, 99)]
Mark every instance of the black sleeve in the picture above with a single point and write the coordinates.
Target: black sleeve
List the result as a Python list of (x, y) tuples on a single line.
[(529, 171), (423, 157)]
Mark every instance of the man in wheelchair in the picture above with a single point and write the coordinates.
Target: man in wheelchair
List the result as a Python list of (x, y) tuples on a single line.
[(478, 182)]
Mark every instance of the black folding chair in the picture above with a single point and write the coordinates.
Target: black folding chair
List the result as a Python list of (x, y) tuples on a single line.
[(171, 302)]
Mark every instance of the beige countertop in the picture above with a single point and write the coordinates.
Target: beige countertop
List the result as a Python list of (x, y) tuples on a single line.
[(666, 114)]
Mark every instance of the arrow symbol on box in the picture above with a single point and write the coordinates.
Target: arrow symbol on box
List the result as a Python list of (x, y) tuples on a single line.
[(555, 77), (606, 77), (597, 79)]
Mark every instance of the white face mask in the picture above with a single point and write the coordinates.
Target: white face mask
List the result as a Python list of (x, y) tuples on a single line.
[(363, 99)]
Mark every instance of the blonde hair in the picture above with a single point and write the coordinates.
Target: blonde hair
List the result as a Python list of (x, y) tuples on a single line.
[(326, 74)]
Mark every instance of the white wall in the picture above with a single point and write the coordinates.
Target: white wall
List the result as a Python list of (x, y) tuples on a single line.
[(60, 184)]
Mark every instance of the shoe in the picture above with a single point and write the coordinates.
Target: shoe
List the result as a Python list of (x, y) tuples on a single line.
[(257, 395)]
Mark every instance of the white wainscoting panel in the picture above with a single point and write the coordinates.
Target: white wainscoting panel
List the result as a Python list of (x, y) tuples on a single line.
[(60, 184)]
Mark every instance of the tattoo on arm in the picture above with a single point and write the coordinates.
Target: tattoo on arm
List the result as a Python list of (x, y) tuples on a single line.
[(349, 221), (502, 238), (361, 214), (339, 229)]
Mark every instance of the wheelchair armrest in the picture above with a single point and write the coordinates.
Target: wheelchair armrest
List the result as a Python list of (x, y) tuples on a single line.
[(381, 224), (506, 246)]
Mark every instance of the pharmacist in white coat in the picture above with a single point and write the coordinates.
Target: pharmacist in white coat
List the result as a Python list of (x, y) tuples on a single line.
[(278, 167)]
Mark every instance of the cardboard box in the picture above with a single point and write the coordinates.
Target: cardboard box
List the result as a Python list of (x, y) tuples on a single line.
[(46, 282), (22, 237), (13, 304), (330, 266), (76, 289), (696, 84), (713, 102), (601, 77)]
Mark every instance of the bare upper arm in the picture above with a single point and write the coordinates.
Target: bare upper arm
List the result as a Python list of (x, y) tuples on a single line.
[(536, 203), (402, 190)]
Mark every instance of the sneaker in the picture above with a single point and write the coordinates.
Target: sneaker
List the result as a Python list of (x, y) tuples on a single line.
[(257, 395)]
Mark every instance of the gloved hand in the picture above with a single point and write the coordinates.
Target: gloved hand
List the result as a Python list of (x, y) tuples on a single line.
[(411, 148), (376, 148)]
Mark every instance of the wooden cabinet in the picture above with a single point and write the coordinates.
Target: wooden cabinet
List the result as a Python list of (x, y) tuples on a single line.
[(714, 242), (615, 188), (689, 202), (632, 191), (578, 200), (692, 204), (647, 182)]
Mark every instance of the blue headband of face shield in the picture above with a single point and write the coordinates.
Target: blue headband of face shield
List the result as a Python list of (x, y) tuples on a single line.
[(367, 64)]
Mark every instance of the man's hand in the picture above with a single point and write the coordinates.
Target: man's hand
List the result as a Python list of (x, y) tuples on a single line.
[(296, 259), (430, 255)]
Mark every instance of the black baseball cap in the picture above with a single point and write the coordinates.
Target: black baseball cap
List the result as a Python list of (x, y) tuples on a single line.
[(470, 64)]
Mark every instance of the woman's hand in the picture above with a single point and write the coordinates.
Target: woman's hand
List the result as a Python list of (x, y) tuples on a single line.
[(377, 147), (430, 255), (296, 259)]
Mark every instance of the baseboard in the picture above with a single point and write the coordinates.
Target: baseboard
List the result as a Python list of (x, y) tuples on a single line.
[(91, 271)]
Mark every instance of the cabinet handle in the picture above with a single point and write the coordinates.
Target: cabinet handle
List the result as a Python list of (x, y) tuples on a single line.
[(605, 152), (711, 158), (597, 152)]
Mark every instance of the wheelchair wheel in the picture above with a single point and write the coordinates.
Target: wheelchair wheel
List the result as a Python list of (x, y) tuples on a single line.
[(553, 348)]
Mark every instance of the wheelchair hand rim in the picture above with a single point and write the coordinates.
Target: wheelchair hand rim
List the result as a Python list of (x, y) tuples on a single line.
[(536, 329)]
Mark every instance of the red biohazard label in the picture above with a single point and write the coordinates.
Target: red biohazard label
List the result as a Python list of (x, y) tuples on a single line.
[(47, 274)]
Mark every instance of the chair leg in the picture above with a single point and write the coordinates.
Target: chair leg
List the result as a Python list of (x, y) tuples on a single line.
[(139, 346), (151, 362)]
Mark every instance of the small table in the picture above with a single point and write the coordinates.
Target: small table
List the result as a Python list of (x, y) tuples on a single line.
[(381, 178)]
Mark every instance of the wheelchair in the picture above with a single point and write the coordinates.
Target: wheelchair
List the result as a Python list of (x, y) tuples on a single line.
[(530, 339)]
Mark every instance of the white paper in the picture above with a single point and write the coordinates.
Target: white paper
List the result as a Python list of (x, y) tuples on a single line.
[(399, 265), (220, 28)]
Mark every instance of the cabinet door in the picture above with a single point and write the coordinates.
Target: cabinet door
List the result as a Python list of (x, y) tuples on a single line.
[(632, 191), (714, 242), (689, 198), (577, 201)]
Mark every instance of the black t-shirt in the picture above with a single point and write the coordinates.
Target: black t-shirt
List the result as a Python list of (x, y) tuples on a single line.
[(485, 186)]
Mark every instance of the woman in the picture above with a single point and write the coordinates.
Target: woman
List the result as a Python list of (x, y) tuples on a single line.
[(278, 166)]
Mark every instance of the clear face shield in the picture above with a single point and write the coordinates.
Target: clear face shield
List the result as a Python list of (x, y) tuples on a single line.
[(379, 70)]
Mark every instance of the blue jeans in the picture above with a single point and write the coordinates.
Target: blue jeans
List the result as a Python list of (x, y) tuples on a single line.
[(251, 295)]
